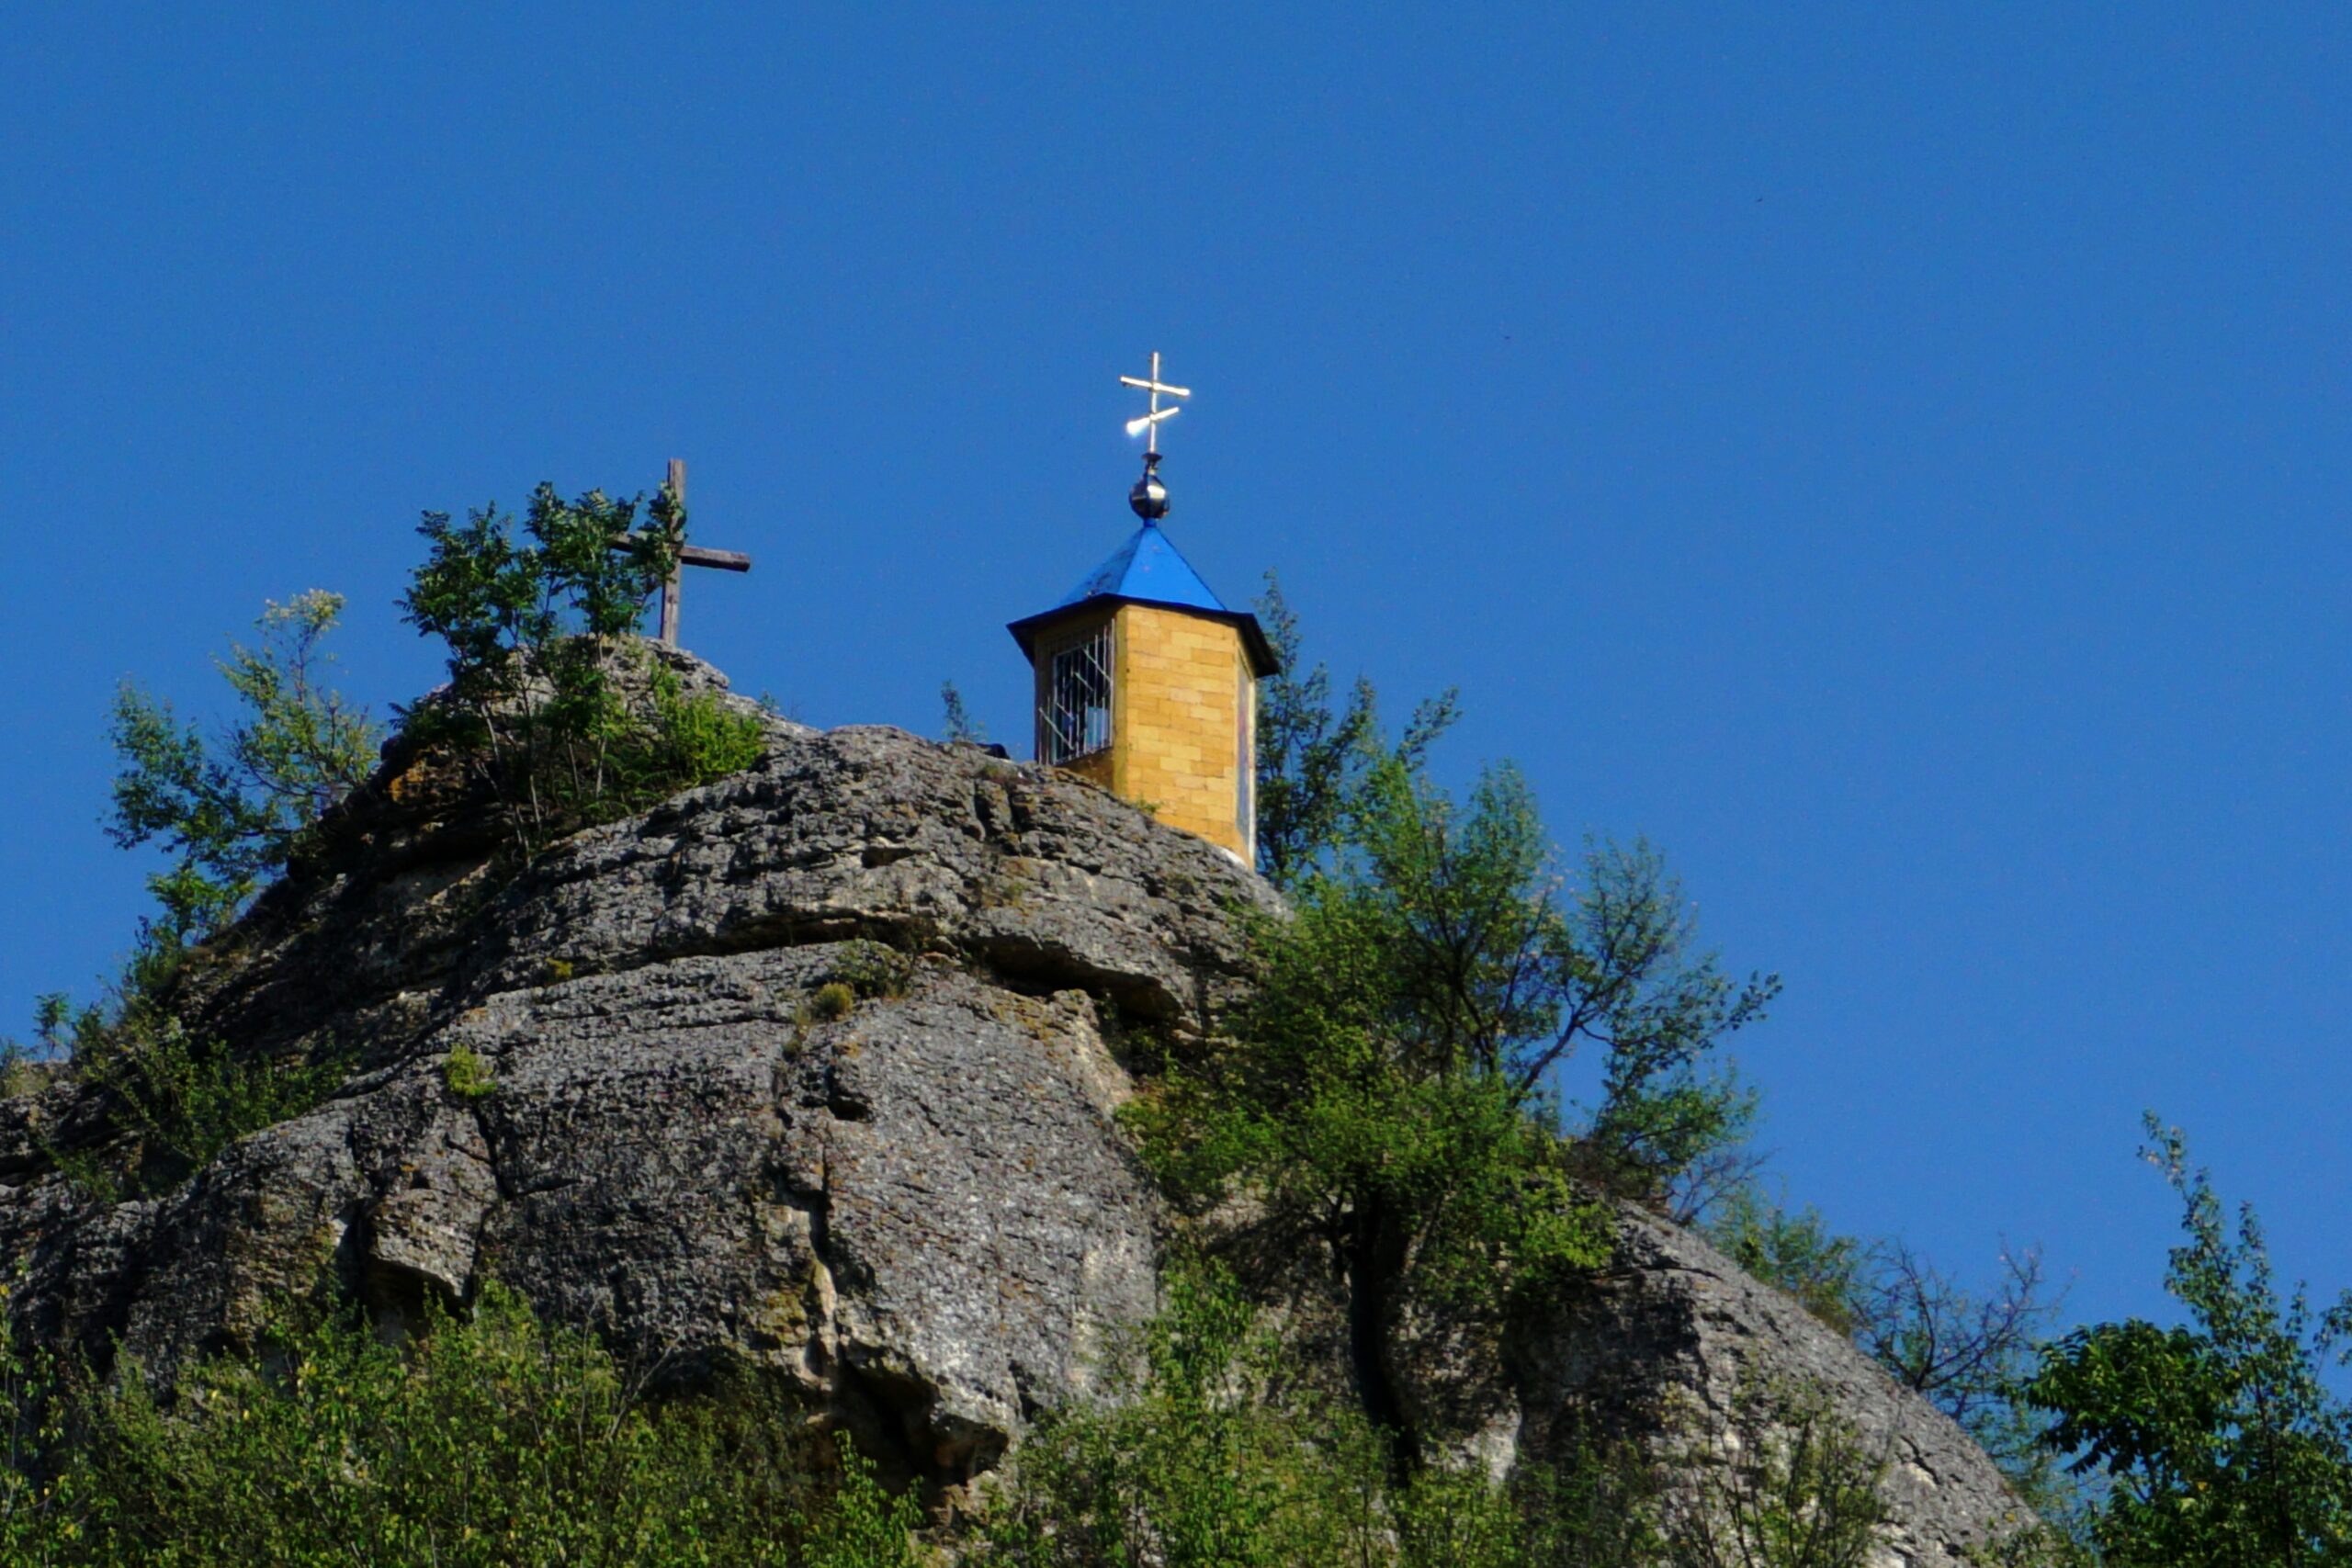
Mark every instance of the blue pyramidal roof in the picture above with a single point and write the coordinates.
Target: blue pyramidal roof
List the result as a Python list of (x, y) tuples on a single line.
[(1147, 567)]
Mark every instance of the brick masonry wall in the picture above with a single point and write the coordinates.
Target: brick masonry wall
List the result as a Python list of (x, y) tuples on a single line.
[(1175, 716), (1176, 687)]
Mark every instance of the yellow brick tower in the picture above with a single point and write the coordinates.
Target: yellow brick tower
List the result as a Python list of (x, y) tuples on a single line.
[(1146, 683)]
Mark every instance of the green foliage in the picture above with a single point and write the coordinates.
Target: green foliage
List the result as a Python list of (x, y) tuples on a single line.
[(691, 741), (1202, 1457), (832, 1000), (1186, 1465), (2035, 1545), (174, 1100), (1798, 1252), (2219, 1439), (1798, 1489), (1503, 974), (1385, 1096), (467, 1075), (1628, 979), (510, 610), (537, 630), (871, 969), (1312, 762), (23, 1068), (961, 727), (233, 810), (862, 1524), (490, 1441)]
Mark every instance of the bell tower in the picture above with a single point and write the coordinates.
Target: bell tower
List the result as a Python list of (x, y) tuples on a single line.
[(1145, 683)]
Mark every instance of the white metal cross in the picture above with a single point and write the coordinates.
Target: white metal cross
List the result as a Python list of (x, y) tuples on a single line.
[(1149, 425)]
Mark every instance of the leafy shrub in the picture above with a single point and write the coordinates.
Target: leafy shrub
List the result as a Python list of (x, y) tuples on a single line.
[(1187, 1466), (874, 969), (1798, 1252), (493, 1441), (832, 1000), (1797, 1489), (175, 1100), (694, 741), (467, 1075), (1203, 1455)]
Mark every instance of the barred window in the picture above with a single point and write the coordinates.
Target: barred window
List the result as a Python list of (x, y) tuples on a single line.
[(1077, 698)]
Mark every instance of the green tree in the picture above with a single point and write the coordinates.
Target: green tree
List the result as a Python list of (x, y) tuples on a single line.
[(1207, 1455), (538, 627), (1385, 1093), (1313, 762), (2221, 1443), (233, 809), (962, 728)]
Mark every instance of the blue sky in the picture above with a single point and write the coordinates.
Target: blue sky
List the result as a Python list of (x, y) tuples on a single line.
[(1894, 458)]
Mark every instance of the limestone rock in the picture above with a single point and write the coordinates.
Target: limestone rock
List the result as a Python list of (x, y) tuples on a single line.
[(922, 1212), (919, 1211), (1662, 1344)]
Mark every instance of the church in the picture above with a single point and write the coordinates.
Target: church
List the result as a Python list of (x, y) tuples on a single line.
[(1144, 681)]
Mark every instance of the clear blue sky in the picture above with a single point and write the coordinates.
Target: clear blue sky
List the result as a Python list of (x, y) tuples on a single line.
[(1894, 457)]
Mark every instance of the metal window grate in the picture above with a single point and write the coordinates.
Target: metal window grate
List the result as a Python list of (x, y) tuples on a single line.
[(1077, 698)]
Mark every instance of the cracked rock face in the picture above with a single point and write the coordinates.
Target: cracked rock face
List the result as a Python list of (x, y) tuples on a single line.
[(915, 1210), (1663, 1344), (918, 1211)]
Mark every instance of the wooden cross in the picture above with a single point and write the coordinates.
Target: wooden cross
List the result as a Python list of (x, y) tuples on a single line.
[(690, 554)]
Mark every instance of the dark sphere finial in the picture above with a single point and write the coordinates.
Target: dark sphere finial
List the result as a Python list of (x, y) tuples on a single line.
[(1149, 498)]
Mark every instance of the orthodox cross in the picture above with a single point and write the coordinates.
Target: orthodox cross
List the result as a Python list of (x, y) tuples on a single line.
[(1149, 425), (688, 554)]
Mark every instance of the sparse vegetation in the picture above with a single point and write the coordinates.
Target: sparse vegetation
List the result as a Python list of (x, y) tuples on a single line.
[(173, 1101), (959, 728), (1209, 1455), (832, 1000), (871, 969), (1795, 1487), (466, 1074)]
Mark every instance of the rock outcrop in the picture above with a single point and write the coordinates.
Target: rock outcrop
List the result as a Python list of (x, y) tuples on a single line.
[(811, 1071), (921, 1210), (1667, 1343)]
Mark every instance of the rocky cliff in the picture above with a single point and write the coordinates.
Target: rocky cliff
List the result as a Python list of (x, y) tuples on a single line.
[(811, 1071)]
